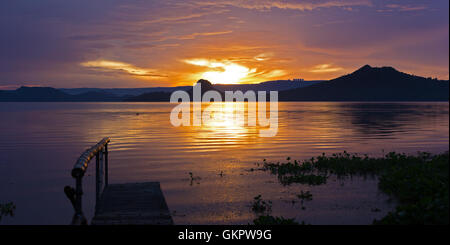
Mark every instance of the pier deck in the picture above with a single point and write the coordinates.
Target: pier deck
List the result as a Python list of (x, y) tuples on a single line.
[(132, 204)]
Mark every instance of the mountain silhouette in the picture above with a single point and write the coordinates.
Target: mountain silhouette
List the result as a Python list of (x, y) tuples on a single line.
[(365, 84), (48, 94), (34, 94), (150, 97), (165, 96), (277, 85), (123, 92), (372, 84), (205, 87)]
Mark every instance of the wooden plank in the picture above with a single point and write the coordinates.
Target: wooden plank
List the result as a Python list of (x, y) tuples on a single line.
[(132, 204)]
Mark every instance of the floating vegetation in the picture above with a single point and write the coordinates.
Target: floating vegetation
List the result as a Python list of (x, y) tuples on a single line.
[(422, 189), (264, 209), (310, 179), (7, 209), (307, 196), (261, 206), (271, 220), (419, 183), (196, 178)]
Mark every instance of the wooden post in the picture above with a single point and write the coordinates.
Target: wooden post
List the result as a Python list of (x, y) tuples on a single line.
[(106, 165), (100, 175), (78, 218), (97, 179)]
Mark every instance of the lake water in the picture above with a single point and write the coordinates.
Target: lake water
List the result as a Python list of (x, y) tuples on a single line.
[(40, 142)]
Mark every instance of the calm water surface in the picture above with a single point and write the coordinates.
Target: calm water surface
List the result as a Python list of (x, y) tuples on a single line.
[(40, 142)]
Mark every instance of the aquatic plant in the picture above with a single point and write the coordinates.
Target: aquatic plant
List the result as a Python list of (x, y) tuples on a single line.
[(419, 183), (422, 189), (7, 209), (310, 179), (307, 196), (271, 220), (197, 178), (261, 206)]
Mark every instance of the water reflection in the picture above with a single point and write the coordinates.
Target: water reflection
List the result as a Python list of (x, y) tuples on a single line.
[(39, 143), (384, 119)]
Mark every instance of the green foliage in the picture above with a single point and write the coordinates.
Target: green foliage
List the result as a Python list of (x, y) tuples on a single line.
[(7, 210), (304, 196), (310, 179), (193, 178), (307, 196), (422, 189), (264, 208), (261, 206), (419, 183), (271, 220)]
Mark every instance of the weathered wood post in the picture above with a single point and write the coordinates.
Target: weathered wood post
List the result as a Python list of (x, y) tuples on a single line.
[(79, 216), (106, 165), (97, 179)]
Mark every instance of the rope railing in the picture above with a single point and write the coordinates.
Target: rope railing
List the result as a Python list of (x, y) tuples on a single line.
[(100, 152)]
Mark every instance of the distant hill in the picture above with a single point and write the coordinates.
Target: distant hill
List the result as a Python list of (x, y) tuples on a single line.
[(372, 84), (365, 84), (159, 93), (150, 97), (48, 94), (122, 92), (279, 85), (33, 94), (205, 87), (221, 88), (165, 96)]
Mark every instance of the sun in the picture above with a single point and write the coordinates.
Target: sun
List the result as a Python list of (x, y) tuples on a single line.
[(231, 74), (222, 72)]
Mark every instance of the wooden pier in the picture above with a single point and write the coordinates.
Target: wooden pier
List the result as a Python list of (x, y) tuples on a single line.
[(117, 204), (132, 204)]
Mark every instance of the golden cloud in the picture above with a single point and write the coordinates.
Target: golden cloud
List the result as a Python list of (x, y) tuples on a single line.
[(323, 68), (130, 69), (292, 5)]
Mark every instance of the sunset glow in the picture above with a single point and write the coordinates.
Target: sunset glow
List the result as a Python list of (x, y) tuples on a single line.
[(174, 43), (222, 72)]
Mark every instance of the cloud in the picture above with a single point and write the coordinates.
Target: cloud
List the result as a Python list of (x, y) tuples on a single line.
[(183, 18), (222, 71), (47, 42), (270, 74), (174, 19), (406, 8), (227, 71), (324, 68), (263, 56), (291, 5), (129, 69), (143, 46), (194, 35)]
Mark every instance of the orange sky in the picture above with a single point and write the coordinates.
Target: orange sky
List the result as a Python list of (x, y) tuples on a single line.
[(168, 43)]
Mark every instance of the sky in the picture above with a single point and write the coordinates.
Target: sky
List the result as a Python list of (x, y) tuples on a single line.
[(148, 43)]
